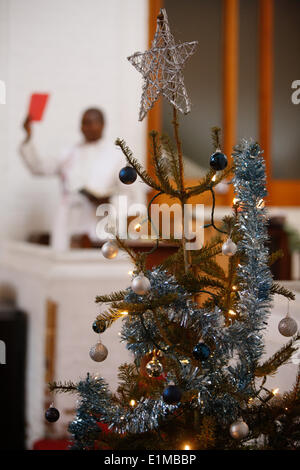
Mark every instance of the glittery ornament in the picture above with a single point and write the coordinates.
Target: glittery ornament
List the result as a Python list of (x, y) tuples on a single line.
[(162, 69), (229, 248), (287, 326), (98, 352), (201, 351), (127, 175), (239, 429), (140, 284), (172, 395), (154, 368), (52, 414), (218, 161), (109, 250)]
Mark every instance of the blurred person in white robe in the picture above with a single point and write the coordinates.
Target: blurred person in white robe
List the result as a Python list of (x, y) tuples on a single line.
[(89, 176)]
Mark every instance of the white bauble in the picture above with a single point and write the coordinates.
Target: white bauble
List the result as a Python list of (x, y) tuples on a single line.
[(287, 326), (229, 248), (239, 429), (140, 284), (98, 352), (109, 250)]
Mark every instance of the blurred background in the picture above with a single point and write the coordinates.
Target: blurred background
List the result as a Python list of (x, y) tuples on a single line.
[(242, 78)]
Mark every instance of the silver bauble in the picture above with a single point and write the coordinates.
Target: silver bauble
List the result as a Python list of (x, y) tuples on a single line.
[(98, 352), (221, 188), (229, 248), (239, 429), (154, 368), (287, 326), (140, 284), (109, 250)]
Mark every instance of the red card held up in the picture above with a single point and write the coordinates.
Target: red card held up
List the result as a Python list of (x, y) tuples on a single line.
[(37, 106)]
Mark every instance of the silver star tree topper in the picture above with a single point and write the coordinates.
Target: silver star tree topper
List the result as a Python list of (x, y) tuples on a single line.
[(162, 69)]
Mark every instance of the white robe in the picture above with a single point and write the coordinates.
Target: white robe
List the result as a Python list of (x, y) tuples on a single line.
[(91, 166)]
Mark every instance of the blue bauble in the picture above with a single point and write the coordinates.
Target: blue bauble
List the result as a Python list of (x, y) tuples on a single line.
[(172, 395), (99, 326), (201, 352), (218, 161), (127, 175), (52, 414)]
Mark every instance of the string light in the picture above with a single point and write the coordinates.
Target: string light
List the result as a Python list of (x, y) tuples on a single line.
[(132, 403), (187, 447), (235, 201), (234, 287), (232, 312), (275, 391), (185, 361), (124, 312), (260, 204), (214, 178), (130, 273)]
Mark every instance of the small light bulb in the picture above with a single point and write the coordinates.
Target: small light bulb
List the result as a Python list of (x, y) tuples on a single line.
[(232, 312), (260, 204), (214, 178), (130, 273), (234, 287), (187, 447), (185, 361), (124, 312), (235, 201), (275, 391), (132, 402)]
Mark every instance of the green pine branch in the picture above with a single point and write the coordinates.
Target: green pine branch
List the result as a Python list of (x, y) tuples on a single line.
[(195, 284), (63, 387), (174, 261), (160, 166), (109, 316), (148, 304), (212, 268), (172, 156), (281, 290), (145, 177), (282, 356), (275, 256), (207, 183), (216, 137), (114, 297)]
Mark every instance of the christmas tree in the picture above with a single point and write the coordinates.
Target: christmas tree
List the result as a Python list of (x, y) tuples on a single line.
[(195, 329)]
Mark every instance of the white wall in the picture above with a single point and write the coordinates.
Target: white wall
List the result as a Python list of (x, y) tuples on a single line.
[(76, 50)]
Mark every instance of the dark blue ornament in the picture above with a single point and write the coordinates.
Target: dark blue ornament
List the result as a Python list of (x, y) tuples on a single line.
[(52, 414), (218, 161), (99, 326), (172, 395), (127, 175), (201, 352)]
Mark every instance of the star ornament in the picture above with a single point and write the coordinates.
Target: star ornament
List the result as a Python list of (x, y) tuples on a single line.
[(162, 69)]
